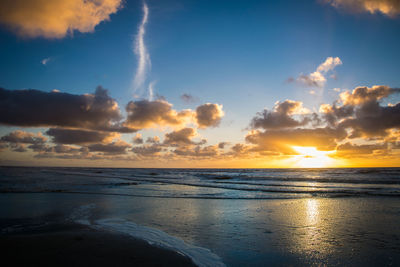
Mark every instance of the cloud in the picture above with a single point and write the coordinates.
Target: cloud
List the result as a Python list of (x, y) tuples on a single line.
[(146, 114), (187, 98), (36, 108), (363, 94), (198, 151), (75, 136), (361, 111), (138, 139), (282, 141), (66, 149), (118, 147), (180, 137), (151, 90), (390, 8), (357, 114), (209, 115), (348, 150), (239, 149), (147, 150), (222, 145), (55, 19), (329, 64), (24, 137), (3, 146), (20, 141), (140, 50), (63, 152), (318, 77), (153, 140), (281, 116), (45, 61)]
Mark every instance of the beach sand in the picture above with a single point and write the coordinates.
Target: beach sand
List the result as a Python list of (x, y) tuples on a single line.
[(76, 245)]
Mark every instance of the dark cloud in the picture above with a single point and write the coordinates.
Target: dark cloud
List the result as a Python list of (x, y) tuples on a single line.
[(198, 151), (118, 147), (3, 146), (36, 108), (222, 145), (24, 137), (209, 115), (180, 137), (74, 136), (333, 113), (362, 113), (187, 98), (18, 147), (153, 140), (20, 141), (281, 116), (147, 150), (348, 150), (373, 120), (138, 139), (238, 149), (66, 149)]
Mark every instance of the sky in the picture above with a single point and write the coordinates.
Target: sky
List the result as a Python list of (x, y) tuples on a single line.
[(180, 83)]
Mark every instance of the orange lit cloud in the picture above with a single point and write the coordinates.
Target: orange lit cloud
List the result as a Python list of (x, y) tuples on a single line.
[(151, 114), (348, 150), (357, 125), (389, 8), (282, 141), (55, 18), (147, 114)]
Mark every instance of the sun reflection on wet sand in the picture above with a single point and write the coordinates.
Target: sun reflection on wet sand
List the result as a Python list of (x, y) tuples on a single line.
[(312, 209), (308, 230)]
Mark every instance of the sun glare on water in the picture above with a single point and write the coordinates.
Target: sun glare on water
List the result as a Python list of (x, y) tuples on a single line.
[(310, 157)]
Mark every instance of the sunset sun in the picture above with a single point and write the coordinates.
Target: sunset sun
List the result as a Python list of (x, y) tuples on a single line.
[(310, 157)]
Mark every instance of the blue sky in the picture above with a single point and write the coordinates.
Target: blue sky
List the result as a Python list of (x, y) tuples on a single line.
[(236, 53)]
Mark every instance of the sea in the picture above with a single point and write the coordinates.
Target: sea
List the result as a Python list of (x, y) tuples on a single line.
[(221, 217)]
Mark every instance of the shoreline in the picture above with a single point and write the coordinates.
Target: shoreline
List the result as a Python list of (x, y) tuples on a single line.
[(78, 245)]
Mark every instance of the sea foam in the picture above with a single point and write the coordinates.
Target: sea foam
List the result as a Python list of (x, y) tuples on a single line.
[(200, 256)]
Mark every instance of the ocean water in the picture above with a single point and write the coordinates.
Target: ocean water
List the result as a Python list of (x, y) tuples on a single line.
[(237, 217)]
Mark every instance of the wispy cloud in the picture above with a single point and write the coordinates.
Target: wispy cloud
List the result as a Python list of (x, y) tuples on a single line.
[(46, 60), (151, 90), (318, 77), (187, 98), (140, 50)]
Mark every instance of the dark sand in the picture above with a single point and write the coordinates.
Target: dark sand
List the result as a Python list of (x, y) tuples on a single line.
[(75, 245)]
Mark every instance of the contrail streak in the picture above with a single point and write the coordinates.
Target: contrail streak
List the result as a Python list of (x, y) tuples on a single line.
[(151, 90), (140, 51)]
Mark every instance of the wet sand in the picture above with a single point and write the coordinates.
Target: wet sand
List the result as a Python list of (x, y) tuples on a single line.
[(75, 245)]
